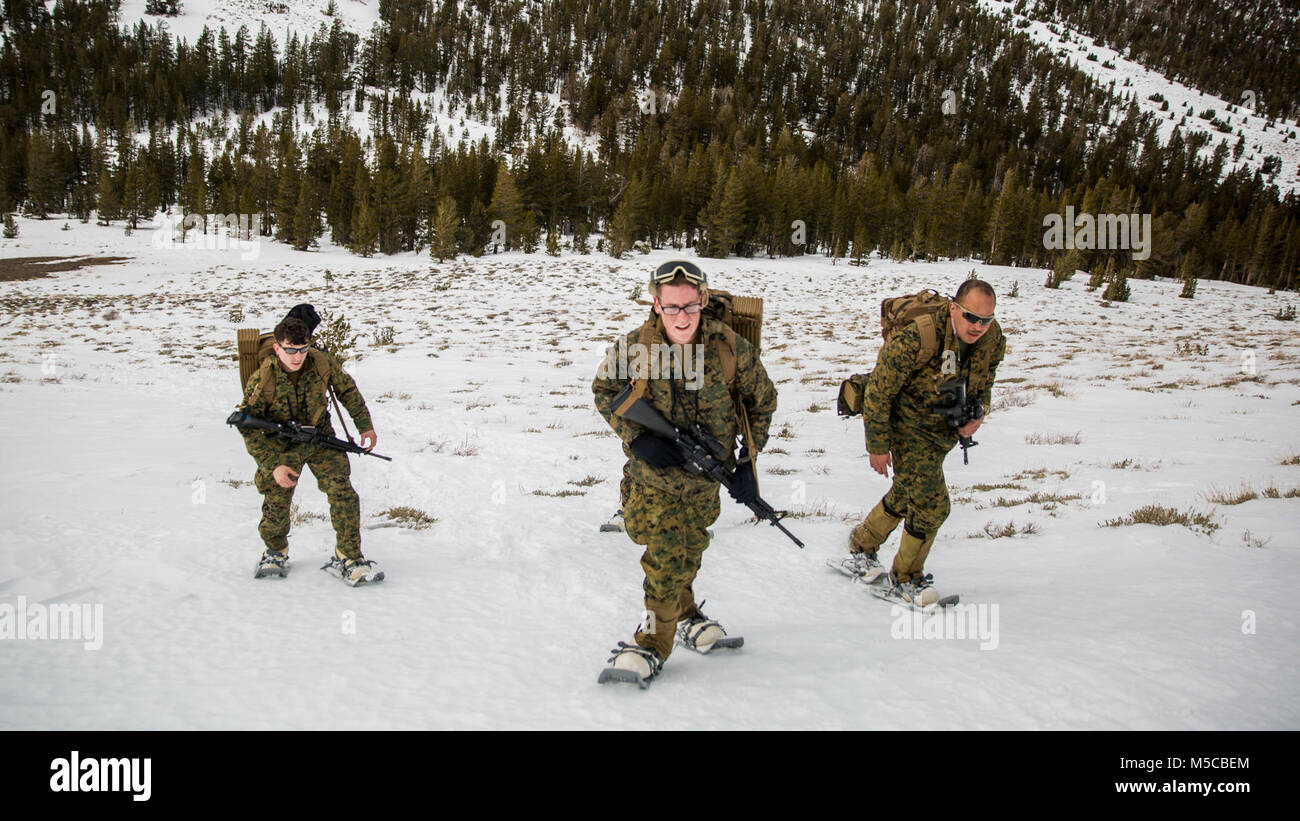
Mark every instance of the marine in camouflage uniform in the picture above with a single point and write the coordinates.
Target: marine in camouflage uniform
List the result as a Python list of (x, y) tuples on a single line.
[(901, 423), (301, 396), (667, 509)]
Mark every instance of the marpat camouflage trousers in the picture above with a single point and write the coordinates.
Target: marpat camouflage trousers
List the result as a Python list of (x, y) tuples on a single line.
[(331, 469), (675, 533)]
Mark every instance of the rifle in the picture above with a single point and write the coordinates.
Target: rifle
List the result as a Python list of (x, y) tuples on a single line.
[(298, 434), (959, 410), (703, 452)]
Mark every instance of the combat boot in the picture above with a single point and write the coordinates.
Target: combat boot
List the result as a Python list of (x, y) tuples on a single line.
[(272, 563), (874, 530), (918, 591), (862, 566), (913, 550), (353, 571), (702, 634), (864, 542)]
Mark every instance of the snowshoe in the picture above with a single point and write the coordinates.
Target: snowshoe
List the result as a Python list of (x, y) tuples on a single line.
[(863, 567), (614, 525), (353, 572), (272, 563), (703, 634), (632, 664)]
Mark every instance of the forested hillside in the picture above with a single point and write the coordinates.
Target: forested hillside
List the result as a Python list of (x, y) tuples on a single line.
[(917, 128)]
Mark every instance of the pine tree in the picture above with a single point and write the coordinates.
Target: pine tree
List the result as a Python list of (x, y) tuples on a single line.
[(580, 239), (1005, 221), (194, 193), (132, 206), (446, 226), (1189, 279), (508, 206), (724, 224), (630, 217), (419, 199), (365, 228), (1117, 290), (389, 198), (861, 244), (529, 233), (1064, 267), (108, 200), (306, 218), (44, 188), (367, 237), (286, 199), (478, 229), (248, 209)]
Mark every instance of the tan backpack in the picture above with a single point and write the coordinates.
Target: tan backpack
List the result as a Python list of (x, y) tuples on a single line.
[(896, 313), (256, 352)]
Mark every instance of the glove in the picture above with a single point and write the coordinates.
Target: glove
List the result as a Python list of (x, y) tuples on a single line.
[(745, 487), (656, 451)]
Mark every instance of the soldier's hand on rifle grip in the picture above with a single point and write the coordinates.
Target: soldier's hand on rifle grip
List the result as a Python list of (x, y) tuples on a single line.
[(281, 476), (970, 427), (656, 451), (369, 439), (745, 490), (880, 463)]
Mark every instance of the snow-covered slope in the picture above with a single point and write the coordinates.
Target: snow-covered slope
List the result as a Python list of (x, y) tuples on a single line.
[(1185, 104), (280, 16), (122, 487)]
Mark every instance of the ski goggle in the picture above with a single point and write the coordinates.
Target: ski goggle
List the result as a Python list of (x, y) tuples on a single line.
[(679, 267), (975, 319)]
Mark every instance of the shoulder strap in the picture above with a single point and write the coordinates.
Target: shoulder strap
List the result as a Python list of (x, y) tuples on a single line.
[(268, 379), (322, 365), (929, 338), (642, 384), (727, 354)]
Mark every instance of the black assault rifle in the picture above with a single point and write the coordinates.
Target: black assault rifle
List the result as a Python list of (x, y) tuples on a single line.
[(703, 452), (298, 434), (959, 410)]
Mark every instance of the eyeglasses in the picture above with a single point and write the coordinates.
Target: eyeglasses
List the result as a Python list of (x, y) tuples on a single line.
[(674, 310), (975, 319), (679, 267), (295, 351)]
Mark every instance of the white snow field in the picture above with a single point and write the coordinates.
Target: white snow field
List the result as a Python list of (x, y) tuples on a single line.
[(121, 487)]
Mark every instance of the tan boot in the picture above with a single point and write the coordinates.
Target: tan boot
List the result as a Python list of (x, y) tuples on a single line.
[(872, 531), (912, 552), (660, 626)]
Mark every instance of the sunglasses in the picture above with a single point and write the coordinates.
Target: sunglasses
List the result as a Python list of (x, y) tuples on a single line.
[(975, 319), (671, 270), (295, 351)]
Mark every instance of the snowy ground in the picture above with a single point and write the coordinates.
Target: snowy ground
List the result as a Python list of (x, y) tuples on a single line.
[(122, 487)]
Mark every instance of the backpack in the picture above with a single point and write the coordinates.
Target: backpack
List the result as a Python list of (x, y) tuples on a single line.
[(896, 313), (739, 315)]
